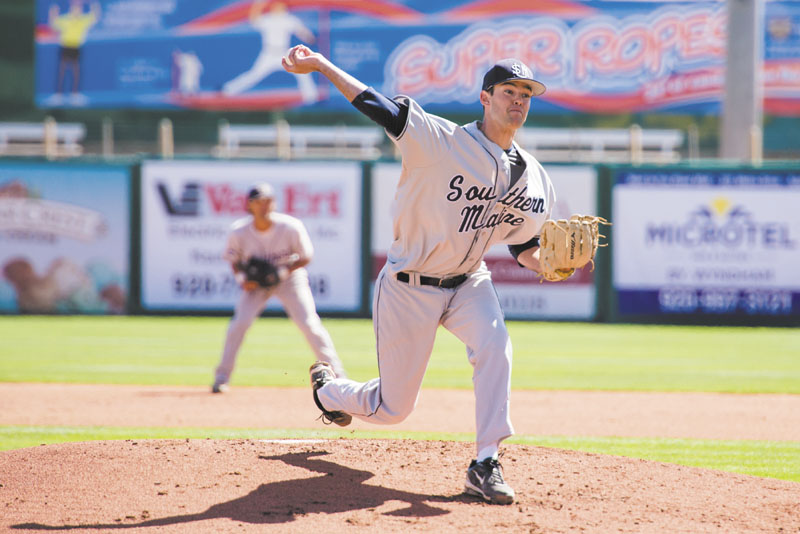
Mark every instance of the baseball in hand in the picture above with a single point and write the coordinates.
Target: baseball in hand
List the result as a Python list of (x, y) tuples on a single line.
[(295, 53)]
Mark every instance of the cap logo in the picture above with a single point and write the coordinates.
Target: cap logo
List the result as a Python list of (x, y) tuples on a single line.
[(521, 71)]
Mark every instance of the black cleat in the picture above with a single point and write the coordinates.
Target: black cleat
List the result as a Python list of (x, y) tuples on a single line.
[(322, 373), (485, 479)]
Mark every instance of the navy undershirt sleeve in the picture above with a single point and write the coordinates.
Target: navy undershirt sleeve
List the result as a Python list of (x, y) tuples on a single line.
[(516, 250), (390, 114)]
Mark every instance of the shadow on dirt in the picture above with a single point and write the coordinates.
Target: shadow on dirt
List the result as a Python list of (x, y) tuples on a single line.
[(338, 489)]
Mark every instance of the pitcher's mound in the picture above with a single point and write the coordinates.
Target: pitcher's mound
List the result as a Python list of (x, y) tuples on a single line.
[(385, 486)]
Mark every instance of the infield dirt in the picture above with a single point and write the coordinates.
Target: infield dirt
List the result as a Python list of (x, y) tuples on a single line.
[(386, 486)]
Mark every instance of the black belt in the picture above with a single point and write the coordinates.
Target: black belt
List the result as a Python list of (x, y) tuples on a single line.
[(447, 283)]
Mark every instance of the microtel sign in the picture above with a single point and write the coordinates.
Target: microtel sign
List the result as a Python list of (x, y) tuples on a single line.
[(706, 241), (721, 225)]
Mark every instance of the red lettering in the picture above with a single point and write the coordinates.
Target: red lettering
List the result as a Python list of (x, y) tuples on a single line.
[(696, 42), (540, 52), (594, 51), (223, 199), (666, 35), (412, 76), (508, 44), (300, 202), (478, 54), (438, 76), (718, 35), (333, 203), (632, 48), (292, 197)]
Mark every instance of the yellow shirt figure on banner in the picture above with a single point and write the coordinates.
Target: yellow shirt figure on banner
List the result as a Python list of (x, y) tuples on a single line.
[(73, 28)]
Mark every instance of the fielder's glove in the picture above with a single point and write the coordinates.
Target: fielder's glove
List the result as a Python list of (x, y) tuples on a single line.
[(566, 245), (263, 272)]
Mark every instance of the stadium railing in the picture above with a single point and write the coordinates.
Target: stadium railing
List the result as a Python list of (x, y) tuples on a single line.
[(284, 141), (47, 138), (595, 145)]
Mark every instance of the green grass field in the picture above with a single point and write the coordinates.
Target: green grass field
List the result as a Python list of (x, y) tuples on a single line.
[(577, 356)]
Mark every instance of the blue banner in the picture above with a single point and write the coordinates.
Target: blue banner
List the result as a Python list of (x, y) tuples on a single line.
[(594, 56)]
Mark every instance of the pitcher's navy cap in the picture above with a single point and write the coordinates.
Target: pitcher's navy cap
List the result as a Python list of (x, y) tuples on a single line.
[(261, 191), (510, 69)]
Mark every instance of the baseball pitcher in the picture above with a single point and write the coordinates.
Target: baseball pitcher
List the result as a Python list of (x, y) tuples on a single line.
[(462, 190)]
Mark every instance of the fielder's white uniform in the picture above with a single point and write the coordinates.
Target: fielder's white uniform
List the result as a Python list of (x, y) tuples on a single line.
[(285, 238), (276, 33), (454, 201), (190, 68)]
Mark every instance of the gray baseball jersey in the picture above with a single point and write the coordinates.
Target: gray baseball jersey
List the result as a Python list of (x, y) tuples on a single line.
[(287, 238), (454, 200)]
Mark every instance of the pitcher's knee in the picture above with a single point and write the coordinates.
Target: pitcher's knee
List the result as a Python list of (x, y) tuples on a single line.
[(497, 342), (392, 414), (493, 347)]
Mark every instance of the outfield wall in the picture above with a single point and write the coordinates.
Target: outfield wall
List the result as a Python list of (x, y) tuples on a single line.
[(689, 244)]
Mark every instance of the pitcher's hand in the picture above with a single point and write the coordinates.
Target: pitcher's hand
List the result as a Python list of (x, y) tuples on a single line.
[(301, 60)]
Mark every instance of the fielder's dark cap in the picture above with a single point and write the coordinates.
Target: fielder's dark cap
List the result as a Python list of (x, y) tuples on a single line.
[(261, 191), (510, 69)]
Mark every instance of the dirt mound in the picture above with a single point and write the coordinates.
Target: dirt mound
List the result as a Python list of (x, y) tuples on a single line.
[(386, 486)]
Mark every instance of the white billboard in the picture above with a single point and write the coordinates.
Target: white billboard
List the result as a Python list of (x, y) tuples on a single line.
[(188, 208), (520, 291), (707, 241)]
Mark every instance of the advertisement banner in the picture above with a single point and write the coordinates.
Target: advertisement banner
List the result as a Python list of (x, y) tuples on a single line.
[(701, 241), (188, 208), (64, 238), (521, 294), (594, 56)]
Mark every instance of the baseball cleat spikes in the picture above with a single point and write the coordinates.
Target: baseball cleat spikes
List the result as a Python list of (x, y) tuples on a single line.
[(322, 373), (485, 479)]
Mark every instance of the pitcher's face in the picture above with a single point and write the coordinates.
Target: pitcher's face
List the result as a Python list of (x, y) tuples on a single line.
[(508, 104)]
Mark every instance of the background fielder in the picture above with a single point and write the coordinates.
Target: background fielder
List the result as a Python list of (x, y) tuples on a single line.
[(462, 189), (284, 241)]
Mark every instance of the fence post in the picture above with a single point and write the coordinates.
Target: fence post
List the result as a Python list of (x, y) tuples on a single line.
[(693, 142), (224, 141), (636, 144), (284, 140), (108, 137), (165, 139), (50, 138)]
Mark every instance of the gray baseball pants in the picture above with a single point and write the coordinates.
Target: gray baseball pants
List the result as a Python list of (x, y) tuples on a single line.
[(406, 318)]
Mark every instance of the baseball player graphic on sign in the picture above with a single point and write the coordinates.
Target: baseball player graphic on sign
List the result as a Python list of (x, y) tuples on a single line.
[(462, 190), (268, 252), (276, 26)]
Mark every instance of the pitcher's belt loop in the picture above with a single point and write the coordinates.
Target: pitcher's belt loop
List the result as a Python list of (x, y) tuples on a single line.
[(447, 283)]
